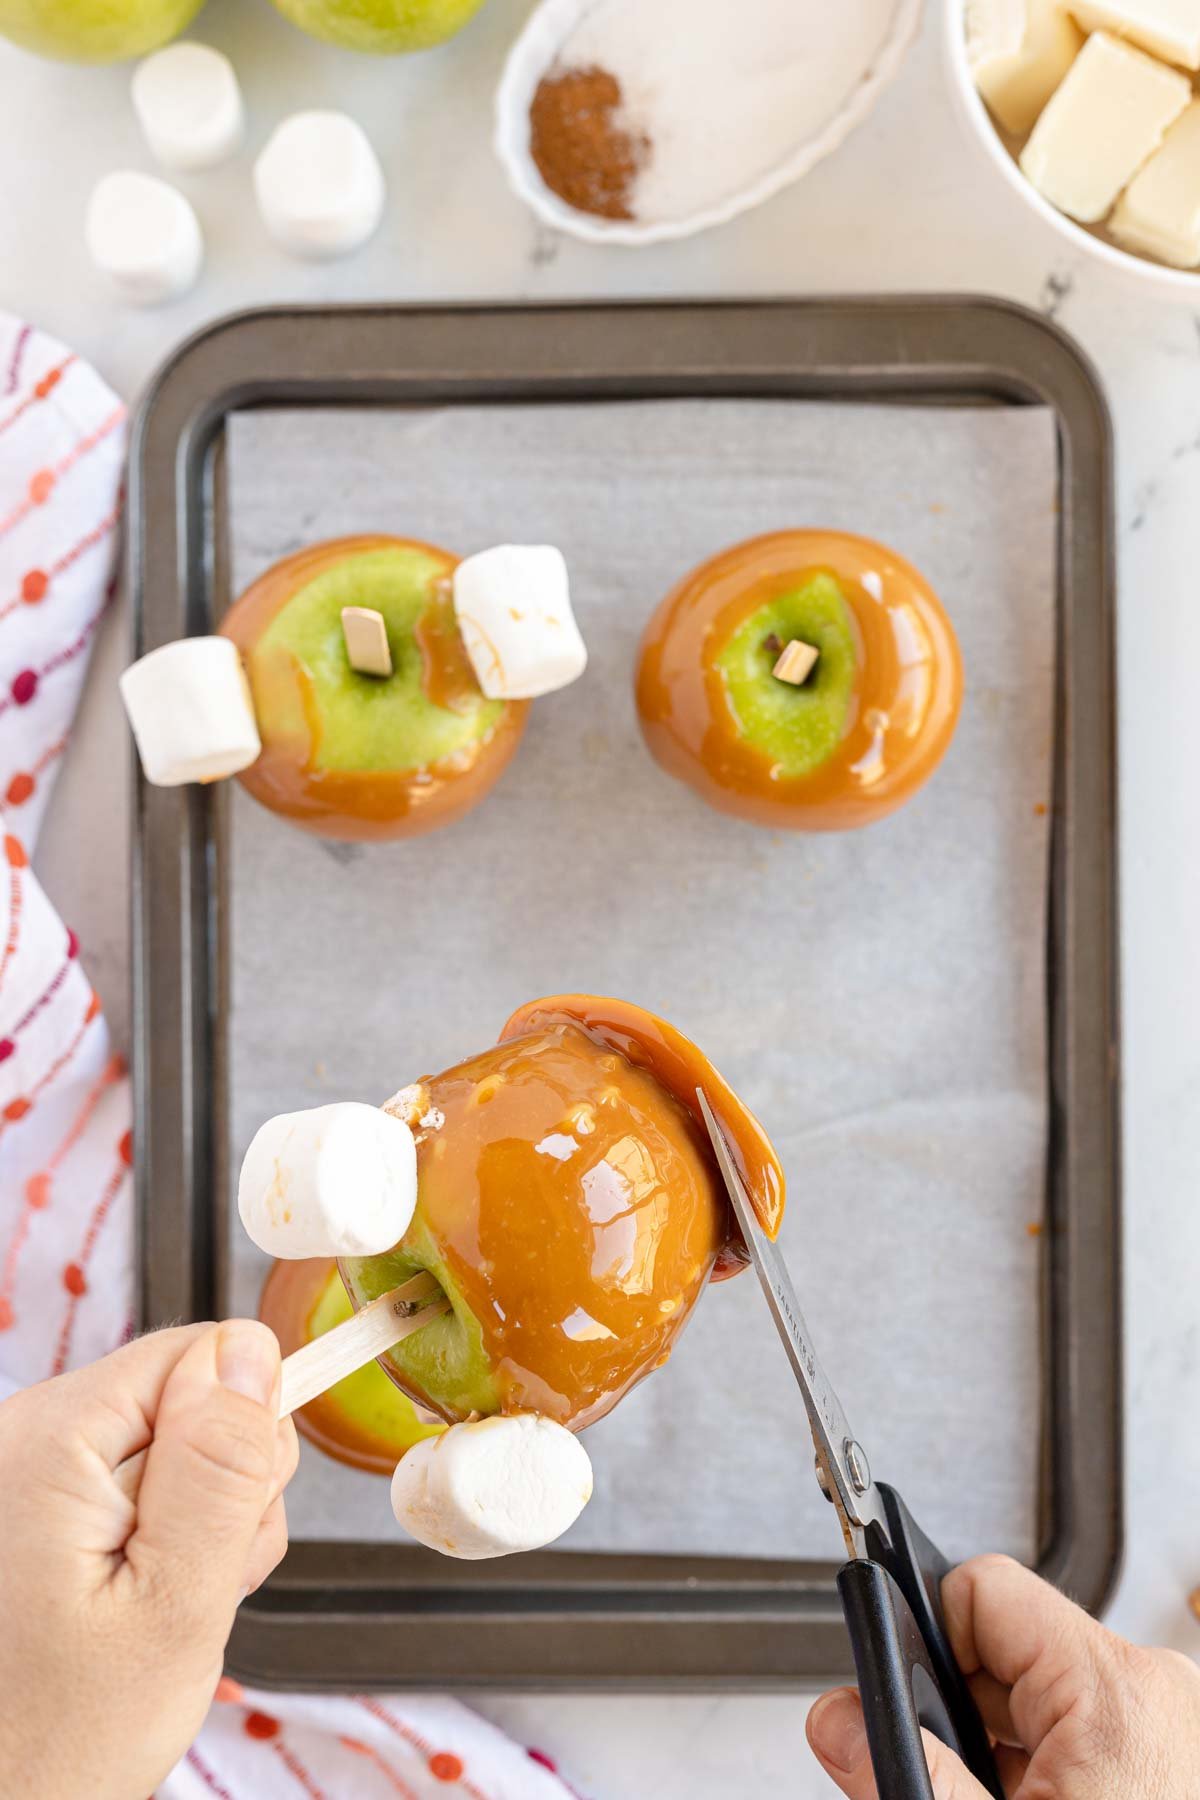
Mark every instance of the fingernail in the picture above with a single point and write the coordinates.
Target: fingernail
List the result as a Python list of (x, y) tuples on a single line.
[(248, 1360), (836, 1730)]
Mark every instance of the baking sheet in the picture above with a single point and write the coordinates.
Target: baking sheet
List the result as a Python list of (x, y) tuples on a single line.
[(879, 998)]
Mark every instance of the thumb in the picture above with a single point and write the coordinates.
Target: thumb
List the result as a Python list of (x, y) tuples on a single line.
[(837, 1735), (209, 1474)]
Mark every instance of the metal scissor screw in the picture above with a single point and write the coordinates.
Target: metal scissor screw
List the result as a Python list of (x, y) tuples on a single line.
[(857, 1465)]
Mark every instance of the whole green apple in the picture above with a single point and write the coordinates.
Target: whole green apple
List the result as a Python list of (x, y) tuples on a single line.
[(94, 30), (357, 756), (381, 26)]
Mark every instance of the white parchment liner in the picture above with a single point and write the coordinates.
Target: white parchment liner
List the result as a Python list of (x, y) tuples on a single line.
[(878, 997)]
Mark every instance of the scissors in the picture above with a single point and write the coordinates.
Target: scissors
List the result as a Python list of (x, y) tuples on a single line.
[(890, 1587)]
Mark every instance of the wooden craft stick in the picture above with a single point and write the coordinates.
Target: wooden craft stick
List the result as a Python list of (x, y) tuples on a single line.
[(329, 1359), (366, 640), (796, 662)]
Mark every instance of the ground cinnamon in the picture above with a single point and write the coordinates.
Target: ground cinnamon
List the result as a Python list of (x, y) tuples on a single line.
[(584, 152)]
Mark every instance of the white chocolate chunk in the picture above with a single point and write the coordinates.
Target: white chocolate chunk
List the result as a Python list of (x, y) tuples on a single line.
[(319, 185), (1159, 212), (143, 235), (492, 1487), (513, 605), (189, 106), (1109, 115), (1167, 28), (337, 1180), (190, 709), (1019, 51)]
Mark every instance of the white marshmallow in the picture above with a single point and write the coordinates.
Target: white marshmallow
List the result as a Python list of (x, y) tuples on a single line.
[(337, 1180), (189, 105), (190, 708), (513, 605), (492, 1487), (319, 185), (143, 235)]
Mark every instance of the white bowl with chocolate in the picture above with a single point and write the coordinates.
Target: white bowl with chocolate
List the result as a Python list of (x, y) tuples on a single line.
[(634, 121), (1090, 110)]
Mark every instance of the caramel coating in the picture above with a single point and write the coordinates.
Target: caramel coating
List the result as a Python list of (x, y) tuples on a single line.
[(354, 804), (575, 1199), (904, 710)]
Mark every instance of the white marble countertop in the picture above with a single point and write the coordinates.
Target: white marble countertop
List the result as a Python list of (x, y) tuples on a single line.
[(907, 204)]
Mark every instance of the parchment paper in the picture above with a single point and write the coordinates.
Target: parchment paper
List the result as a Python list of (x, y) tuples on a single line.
[(877, 997)]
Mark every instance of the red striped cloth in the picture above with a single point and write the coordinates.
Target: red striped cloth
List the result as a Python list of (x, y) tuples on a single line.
[(66, 1225)]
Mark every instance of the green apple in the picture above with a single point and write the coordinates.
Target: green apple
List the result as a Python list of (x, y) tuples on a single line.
[(368, 724), (94, 30), (569, 1209), (382, 26), (796, 727), (352, 755), (372, 1406)]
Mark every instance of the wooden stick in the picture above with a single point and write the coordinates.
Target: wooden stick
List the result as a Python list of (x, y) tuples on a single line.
[(366, 640), (329, 1359), (797, 660)]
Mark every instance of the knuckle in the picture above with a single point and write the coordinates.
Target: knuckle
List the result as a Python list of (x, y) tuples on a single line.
[(230, 1453)]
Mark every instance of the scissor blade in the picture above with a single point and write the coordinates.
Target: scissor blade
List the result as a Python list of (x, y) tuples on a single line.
[(832, 1436)]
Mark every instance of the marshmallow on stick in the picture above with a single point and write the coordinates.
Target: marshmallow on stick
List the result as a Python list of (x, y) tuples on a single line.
[(189, 105), (336, 1180), (493, 1486), (319, 185), (513, 605), (190, 708)]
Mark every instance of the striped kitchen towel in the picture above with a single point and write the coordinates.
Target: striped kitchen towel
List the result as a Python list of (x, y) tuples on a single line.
[(66, 1219)]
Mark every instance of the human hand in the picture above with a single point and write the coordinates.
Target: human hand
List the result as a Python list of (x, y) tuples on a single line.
[(140, 1499), (1075, 1711)]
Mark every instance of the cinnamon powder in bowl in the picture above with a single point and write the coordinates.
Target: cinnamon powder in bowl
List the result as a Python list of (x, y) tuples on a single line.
[(630, 121)]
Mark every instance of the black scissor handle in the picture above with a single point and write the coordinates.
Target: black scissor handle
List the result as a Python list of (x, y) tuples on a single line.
[(918, 1568), (895, 1681), (906, 1669)]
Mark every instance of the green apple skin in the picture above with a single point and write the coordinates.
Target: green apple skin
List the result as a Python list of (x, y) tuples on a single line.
[(445, 1361), (797, 728), (383, 27), (96, 31), (367, 1398)]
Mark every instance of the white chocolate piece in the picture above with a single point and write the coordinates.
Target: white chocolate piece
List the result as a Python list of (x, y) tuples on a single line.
[(143, 235), (513, 605), (1159, 212), (319, 185), (1107, 118), (189, 106), (1166, 28), (190, 709), (492, 1487), (1019, 51), (336, 1180), (366, 639)]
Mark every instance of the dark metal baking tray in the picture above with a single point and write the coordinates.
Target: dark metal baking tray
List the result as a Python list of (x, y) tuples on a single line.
[(382, 1615)]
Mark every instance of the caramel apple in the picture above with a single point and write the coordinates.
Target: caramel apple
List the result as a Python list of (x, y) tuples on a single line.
[(363, 1420), (570, 1208), (350, 754), (807, 679)]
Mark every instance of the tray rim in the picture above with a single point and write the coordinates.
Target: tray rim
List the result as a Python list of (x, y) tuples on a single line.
[(311, 1623)]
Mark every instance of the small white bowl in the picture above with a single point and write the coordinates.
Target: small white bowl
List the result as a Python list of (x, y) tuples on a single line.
[(550, 27), (979, 123)]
